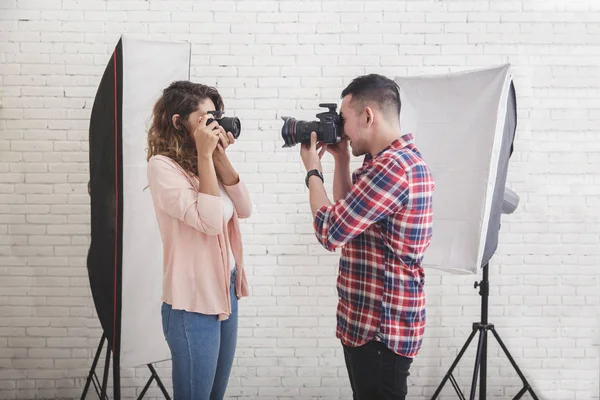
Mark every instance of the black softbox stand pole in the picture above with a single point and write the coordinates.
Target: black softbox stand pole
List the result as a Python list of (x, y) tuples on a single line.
[(482, 328), (101, 389)]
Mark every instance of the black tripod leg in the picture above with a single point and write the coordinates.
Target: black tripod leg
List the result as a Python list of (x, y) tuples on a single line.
[(526, 386), (483, 364), (145, 389), (159, 382), (116, 376), (154, 376), (477, 363), (105, 377), (94, 363), (459, 392), (454, 364)]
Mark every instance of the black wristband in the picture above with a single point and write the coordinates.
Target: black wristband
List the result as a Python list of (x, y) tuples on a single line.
[(312, 172)]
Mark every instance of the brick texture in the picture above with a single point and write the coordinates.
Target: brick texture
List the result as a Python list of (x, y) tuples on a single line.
[(274, 58)]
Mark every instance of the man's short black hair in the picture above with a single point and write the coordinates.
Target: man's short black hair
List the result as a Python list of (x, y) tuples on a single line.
[(377, 89)]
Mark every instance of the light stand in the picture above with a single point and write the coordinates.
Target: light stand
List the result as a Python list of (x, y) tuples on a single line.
[(482, 328), (101, 389)]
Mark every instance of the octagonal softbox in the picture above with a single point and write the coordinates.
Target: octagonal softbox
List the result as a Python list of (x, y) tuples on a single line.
[(464, 124), (125, 257)]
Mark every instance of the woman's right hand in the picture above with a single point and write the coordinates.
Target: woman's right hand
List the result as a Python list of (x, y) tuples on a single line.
[(206, 137)]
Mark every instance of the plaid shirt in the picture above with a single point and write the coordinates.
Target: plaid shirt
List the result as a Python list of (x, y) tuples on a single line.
[(384, 225)]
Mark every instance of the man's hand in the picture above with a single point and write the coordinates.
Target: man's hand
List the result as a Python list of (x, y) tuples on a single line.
[(311, 157), (340, 150), (311, 153)]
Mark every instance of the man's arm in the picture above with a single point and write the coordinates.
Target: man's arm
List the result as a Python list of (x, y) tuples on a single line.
[(342, 180), (317, 194), (382, 191)]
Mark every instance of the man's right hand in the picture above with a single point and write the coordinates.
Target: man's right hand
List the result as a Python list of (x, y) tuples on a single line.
[(206, 137)]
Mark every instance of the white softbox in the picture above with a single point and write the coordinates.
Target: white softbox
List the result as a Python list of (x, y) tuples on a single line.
[(464, 125), (125, 262)]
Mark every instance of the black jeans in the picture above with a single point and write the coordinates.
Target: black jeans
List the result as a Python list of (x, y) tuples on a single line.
[(376, 372)]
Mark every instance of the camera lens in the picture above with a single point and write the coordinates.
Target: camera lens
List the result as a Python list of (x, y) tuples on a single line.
[(294, 131), (231, 124)]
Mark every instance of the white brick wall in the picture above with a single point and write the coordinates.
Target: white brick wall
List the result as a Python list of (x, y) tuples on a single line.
[(272, 58)]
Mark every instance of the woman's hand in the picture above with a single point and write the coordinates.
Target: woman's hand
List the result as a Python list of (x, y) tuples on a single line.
[(225, 171), (225, 140), (206, 137)]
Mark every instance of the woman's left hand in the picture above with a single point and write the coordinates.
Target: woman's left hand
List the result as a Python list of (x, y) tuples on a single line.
[(225, 171), (225, 140)]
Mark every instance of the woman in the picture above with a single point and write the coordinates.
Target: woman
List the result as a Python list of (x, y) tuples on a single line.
[(198, 198)]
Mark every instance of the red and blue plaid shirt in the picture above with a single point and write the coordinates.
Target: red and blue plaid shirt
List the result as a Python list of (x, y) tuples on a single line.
[(383, 225)]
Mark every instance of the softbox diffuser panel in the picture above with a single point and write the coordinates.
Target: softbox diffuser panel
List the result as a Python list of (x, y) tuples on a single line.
[(502, 196), (104, 256), (125, 262), (458, 120)]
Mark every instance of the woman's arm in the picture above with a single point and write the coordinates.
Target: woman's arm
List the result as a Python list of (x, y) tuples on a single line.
[(232, 183), (173, 193)]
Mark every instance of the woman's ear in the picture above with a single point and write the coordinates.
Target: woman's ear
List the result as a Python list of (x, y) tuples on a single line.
[(175, 121)]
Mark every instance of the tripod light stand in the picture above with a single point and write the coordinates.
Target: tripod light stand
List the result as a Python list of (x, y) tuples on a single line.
[(125, 256), (482, 328), (466, 124)]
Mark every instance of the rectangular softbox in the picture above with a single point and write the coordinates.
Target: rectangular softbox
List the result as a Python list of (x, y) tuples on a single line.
[(464, 124), (125, 258)]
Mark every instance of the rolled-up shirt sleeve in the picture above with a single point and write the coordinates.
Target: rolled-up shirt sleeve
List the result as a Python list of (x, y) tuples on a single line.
[(379, 192), (174, 194)]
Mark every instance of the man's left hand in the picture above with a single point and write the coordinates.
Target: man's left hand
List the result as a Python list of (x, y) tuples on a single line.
[(311, 153)]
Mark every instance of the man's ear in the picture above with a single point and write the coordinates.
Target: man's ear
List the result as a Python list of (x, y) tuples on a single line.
[(369, 113), (175, 121)]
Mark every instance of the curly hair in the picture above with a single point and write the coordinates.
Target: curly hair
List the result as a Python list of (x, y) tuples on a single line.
[(180, 97)]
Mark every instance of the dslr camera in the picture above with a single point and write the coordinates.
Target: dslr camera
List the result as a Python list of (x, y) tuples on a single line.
[(328, 127), (230, 124)]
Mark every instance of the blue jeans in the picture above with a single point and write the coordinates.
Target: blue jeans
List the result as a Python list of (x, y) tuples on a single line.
[(202, 350)]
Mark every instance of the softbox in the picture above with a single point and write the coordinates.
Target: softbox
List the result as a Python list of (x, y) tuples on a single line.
[(464, 124), (125, 257)]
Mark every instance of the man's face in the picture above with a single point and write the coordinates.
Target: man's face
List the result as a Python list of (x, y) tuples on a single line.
[(354, 126)]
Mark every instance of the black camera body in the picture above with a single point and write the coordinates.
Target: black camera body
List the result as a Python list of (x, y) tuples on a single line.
[(230, 124), (328, 127)]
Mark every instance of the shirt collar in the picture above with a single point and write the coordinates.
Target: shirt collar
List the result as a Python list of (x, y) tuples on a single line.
[(400, 143)]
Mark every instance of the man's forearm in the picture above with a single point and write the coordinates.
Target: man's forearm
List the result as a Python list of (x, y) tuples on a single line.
[(342, 181), (225, 171), (318, 195)]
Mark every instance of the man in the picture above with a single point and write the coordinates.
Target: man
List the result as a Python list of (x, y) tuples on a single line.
[(382, 220)]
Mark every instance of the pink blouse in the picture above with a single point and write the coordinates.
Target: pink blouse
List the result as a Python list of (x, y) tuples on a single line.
[(197, 242)]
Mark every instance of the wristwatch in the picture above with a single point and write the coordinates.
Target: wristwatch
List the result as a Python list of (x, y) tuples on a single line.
[(311, 173)]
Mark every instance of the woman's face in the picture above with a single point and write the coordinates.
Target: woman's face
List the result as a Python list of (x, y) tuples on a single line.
[(204, 106)]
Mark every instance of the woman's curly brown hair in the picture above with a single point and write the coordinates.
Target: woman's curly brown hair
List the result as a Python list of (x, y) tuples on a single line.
[(180, 97)]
